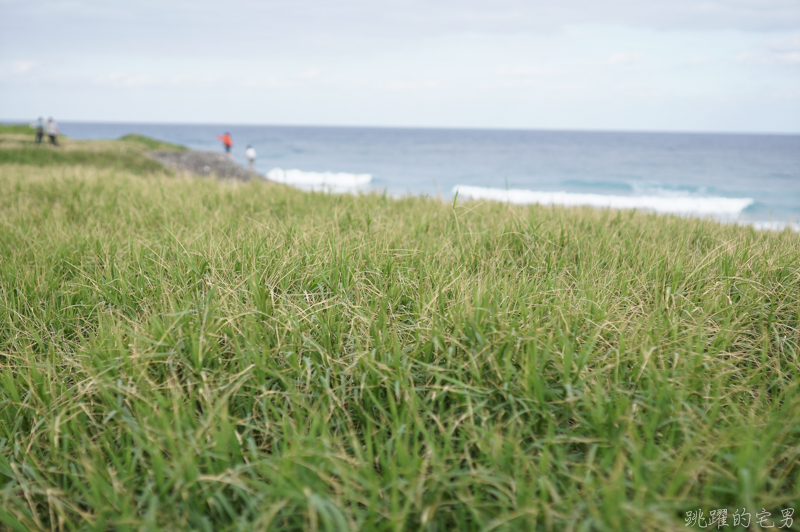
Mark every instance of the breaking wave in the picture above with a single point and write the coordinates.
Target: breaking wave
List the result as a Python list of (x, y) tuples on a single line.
[(772, 225), (669, 203), (318, 180)]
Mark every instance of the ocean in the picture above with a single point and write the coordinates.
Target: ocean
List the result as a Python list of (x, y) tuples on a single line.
[(745, 178)]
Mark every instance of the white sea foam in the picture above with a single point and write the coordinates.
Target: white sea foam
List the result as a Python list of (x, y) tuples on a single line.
[(672, 203), (772, 225), (334, 181)]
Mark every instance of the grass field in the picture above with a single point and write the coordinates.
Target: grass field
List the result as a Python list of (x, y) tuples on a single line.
[(184, 354)]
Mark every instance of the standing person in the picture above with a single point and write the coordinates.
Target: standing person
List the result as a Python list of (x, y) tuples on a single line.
[(52, 131), (227, 142), (39, 130), (250, 153)]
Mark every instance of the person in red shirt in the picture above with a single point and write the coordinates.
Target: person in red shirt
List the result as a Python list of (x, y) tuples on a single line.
[(227, 142)]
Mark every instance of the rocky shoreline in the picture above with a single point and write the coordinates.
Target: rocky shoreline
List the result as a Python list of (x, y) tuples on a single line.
[(204, 163)]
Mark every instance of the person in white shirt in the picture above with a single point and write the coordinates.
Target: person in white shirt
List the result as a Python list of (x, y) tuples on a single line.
[(250, 153), (52, 131)]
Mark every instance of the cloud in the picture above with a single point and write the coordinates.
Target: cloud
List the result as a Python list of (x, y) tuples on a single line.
[(126, 80), (528, 71), (403, 86), (624, 58), (769, 58), (311, 73), (193, 81), (22, 67), (789, 44), (786, 50), (783, 51), (299, 79), (527, 76), (203, 27), (123, 80), (268, 84), (346, 55), (699, 60)]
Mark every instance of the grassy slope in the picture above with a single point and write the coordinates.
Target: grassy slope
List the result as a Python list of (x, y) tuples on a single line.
[(128, 153), (152, 144), (181, 354), (17, 129)]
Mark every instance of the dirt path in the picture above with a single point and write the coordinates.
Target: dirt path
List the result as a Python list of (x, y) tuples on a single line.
[(204, 163)]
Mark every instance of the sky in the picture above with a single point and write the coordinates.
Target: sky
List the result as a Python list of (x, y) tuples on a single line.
[(652, 65)]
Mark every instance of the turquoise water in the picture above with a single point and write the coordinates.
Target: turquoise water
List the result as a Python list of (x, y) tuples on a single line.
[(701, 174)]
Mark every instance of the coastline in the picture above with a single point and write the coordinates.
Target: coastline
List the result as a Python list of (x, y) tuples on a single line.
[(130, 152)]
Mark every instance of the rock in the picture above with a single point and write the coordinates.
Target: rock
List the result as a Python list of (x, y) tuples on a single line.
[(204, 163)]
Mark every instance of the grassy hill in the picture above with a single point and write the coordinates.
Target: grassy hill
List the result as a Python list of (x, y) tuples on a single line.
[(17, 129), (152, 144), (127, 153), (184, 354)]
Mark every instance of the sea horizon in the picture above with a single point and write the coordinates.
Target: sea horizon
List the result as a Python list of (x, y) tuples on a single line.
[(25, 121), (744, 177)]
